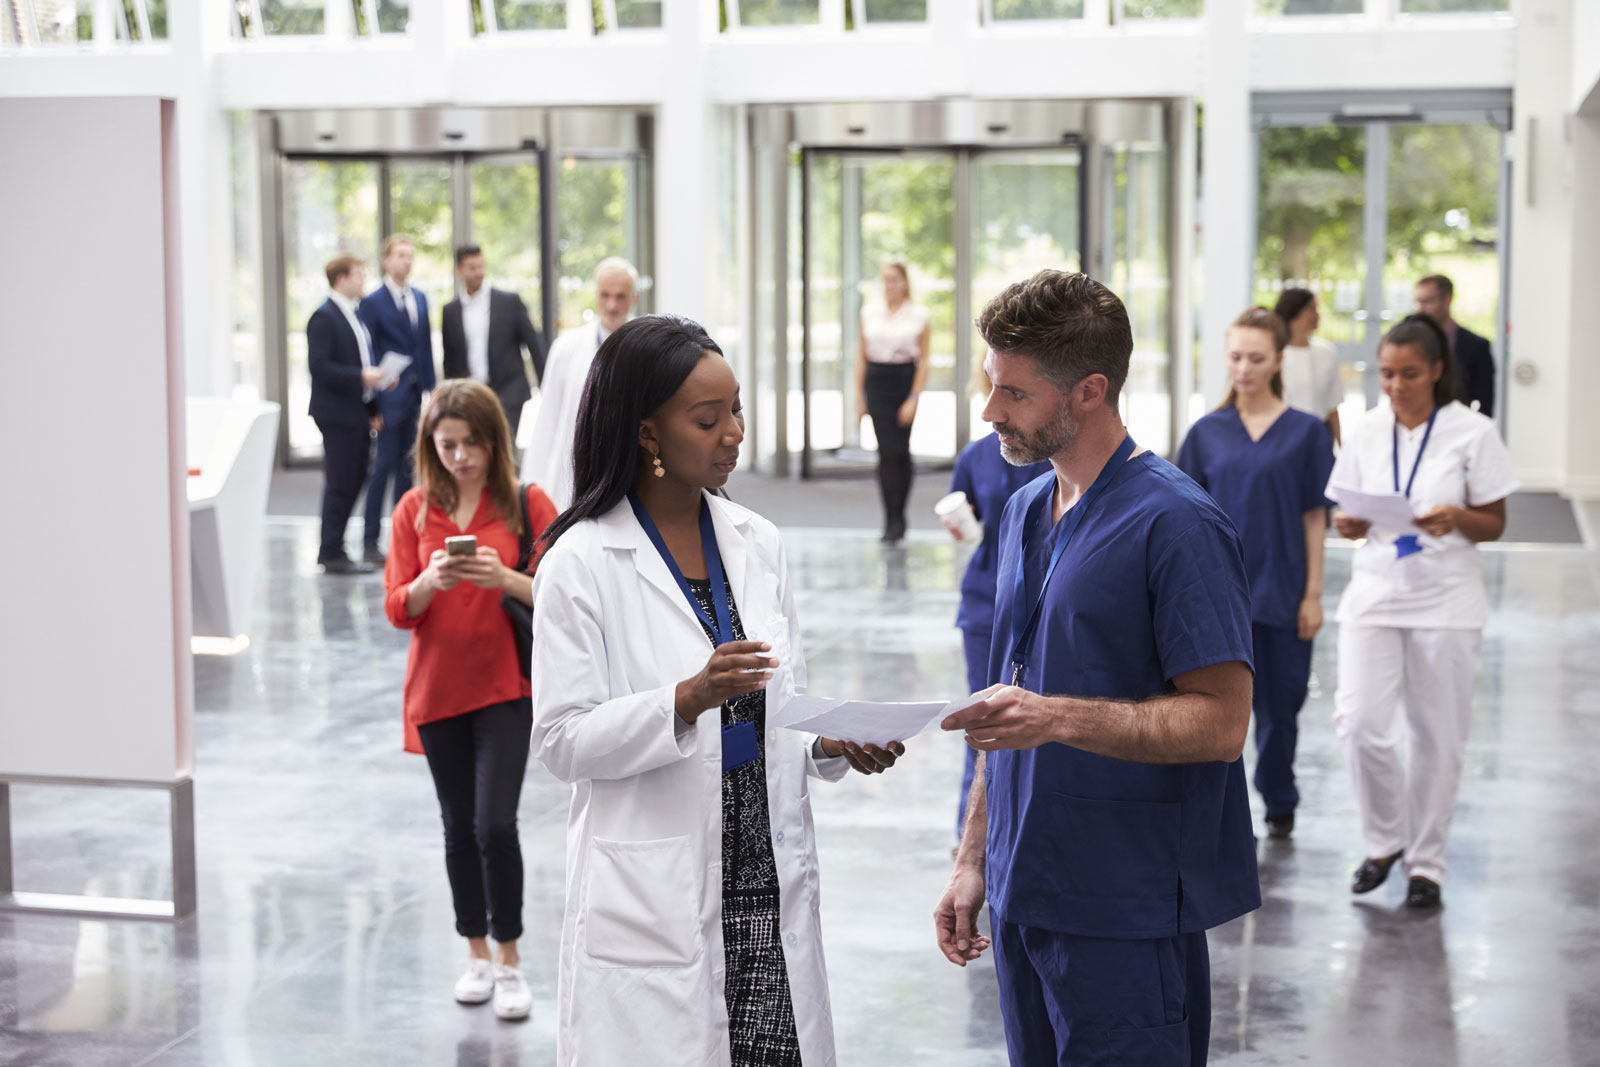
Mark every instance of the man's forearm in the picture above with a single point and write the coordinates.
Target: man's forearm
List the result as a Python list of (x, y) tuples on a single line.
[(976, 829), (1177, 728)]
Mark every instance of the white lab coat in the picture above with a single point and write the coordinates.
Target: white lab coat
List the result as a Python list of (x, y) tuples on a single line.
[(547, 461), (642, 959)]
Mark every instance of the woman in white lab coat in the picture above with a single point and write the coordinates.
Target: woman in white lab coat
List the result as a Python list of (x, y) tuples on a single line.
[(665, 646), (1411, 620)]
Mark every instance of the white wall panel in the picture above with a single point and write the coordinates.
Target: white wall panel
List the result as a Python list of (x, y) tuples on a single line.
[(94, 642)]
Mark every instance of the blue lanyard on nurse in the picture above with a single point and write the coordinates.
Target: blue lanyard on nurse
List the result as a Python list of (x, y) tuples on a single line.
[(1407, 544), (1023, 621), (738, 739)]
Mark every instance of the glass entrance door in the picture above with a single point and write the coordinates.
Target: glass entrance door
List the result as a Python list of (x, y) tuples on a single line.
[(966, 223)]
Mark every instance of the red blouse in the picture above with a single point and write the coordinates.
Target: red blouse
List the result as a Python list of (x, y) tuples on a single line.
[(463, 651)]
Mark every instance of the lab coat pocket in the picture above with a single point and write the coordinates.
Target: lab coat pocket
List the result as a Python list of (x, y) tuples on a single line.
[(643, 907)]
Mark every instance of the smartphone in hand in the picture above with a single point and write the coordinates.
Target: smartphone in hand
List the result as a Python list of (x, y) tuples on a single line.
[(464, 545)]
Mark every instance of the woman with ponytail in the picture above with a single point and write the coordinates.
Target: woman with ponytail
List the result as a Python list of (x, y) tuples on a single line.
[(1411, 620), (1266, 464)]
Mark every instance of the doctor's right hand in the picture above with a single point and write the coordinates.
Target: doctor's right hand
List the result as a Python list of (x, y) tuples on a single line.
[(955, 920), (733, 670), (1350, 527)]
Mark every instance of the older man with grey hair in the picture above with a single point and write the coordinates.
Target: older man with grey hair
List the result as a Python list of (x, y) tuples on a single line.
[(547, 462)]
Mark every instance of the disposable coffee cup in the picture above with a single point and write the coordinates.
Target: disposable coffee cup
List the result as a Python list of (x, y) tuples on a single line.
[(956, 515)]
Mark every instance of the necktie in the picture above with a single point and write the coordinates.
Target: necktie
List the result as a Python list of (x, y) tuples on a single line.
[(410, 308)]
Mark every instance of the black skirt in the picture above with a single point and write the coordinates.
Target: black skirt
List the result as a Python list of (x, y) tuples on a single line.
[(888, 386)]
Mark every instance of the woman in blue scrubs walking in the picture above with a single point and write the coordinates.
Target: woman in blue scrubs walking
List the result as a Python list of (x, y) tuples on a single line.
[(989, 481), (1266, 464)]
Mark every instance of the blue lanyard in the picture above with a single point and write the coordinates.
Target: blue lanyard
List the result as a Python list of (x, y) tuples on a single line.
[(722, 628), (1024, 621), (1418, 461)]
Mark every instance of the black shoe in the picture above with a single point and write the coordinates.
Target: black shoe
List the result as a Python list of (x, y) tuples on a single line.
[(346, 566), (1371, 874), (371, 555), (1423, 893), (1279, 827), (894, 531)]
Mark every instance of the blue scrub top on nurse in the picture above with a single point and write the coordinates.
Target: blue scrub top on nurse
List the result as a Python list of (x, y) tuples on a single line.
[(1110, 827)]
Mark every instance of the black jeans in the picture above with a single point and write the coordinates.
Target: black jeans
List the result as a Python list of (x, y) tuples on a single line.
[(478, 760), (888, 385)]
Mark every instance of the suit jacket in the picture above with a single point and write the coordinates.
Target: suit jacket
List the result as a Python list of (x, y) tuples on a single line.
[(392, 331), (334, 356), (1475, 366), (510, 331)]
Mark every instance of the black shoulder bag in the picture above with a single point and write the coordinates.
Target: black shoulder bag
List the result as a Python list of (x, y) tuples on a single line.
[(521, 614)]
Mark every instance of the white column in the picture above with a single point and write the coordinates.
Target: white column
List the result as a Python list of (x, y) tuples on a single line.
[(1541, 316), (197, 30), (1580, 352), (1225, 188), (683, 155)]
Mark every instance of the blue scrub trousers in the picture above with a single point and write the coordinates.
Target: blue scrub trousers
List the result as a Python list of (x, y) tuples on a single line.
[(976, 647), (1283, 671), (1070, 1001)]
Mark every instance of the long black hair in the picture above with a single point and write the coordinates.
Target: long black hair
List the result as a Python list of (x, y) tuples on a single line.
[(1418, 329), (638, 369), (1291, 302)]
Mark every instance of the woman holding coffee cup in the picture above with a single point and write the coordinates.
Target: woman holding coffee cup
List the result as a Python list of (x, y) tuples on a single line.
[(986, 479)]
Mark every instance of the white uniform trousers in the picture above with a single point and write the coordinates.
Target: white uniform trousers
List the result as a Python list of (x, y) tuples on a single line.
[(1409, 691)]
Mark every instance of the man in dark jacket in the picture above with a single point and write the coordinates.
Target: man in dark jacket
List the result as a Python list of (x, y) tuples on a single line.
[(1473, 358), (344, 404), (484, 332)]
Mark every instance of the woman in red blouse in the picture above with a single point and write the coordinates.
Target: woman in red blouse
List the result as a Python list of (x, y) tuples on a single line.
[(466, 701)]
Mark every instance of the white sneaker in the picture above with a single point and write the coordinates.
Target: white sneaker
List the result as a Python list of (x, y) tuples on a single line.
[(477, 985), (511, 997)]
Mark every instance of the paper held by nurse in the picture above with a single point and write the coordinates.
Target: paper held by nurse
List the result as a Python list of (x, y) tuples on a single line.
[(1389, 512), (865, 722)]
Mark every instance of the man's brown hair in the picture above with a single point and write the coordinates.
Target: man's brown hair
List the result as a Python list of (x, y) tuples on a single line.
[(339, 266), (1441, 284), (1070, 324)]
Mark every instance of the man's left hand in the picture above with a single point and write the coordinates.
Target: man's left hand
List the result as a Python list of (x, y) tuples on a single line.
[(1008, 717)]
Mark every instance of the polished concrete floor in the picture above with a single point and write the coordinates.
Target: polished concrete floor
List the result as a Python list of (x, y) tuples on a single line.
[(324, 932)]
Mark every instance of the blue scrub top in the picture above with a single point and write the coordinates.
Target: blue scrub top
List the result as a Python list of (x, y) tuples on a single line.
[(1152, 586), (1265, 487), (989, 481)]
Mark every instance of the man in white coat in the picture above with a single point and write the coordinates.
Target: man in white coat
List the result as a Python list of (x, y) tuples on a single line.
[(547, 461)]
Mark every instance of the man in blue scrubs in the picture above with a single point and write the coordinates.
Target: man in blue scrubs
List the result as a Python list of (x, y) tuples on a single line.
[(1109, 825)]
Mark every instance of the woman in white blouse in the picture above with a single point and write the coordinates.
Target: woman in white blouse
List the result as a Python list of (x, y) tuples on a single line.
[(890, 375), (1310, 364), (1411, 619)]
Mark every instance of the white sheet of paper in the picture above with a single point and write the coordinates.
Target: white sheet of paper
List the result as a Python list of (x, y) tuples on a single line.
[(392, 365), (1389, 512), (865, 722)]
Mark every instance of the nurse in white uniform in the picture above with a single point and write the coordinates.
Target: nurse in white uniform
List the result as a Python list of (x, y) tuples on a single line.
[(1411, 619), (665, 648), (547, 461)]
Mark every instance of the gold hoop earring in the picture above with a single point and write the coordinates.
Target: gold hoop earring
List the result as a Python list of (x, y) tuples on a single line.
[(661, 472)]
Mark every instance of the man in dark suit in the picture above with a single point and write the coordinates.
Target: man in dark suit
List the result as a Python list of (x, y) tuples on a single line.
[(1473, 358), (484, 332), (397, 316), (343, 404)]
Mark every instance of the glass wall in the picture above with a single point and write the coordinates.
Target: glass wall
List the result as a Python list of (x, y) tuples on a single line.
[(507, 224), (600, 205), (1140, 273)]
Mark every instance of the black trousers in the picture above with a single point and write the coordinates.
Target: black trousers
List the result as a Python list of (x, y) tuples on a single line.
[(888, 386), (344, 467), (478, 761)]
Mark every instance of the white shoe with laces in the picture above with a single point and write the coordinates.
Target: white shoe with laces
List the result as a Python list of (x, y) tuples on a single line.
[(477, 984), (511, 997)]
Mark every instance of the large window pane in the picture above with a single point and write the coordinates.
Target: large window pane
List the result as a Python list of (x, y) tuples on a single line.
[(832, 313), (1436, 7), (873, 11), (1141, 276), (530, 14), (1309, 7), (1136, 10), (329, 208), (505, 224), (1025, 219), (778, 12), (600, 201), (1310, 231), (394, 16), (1444, 218), (638, 14), (419, 200), (288, 17), (1007, 10)]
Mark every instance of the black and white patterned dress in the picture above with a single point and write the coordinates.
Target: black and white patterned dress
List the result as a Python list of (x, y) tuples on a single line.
[(760, 1014)]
